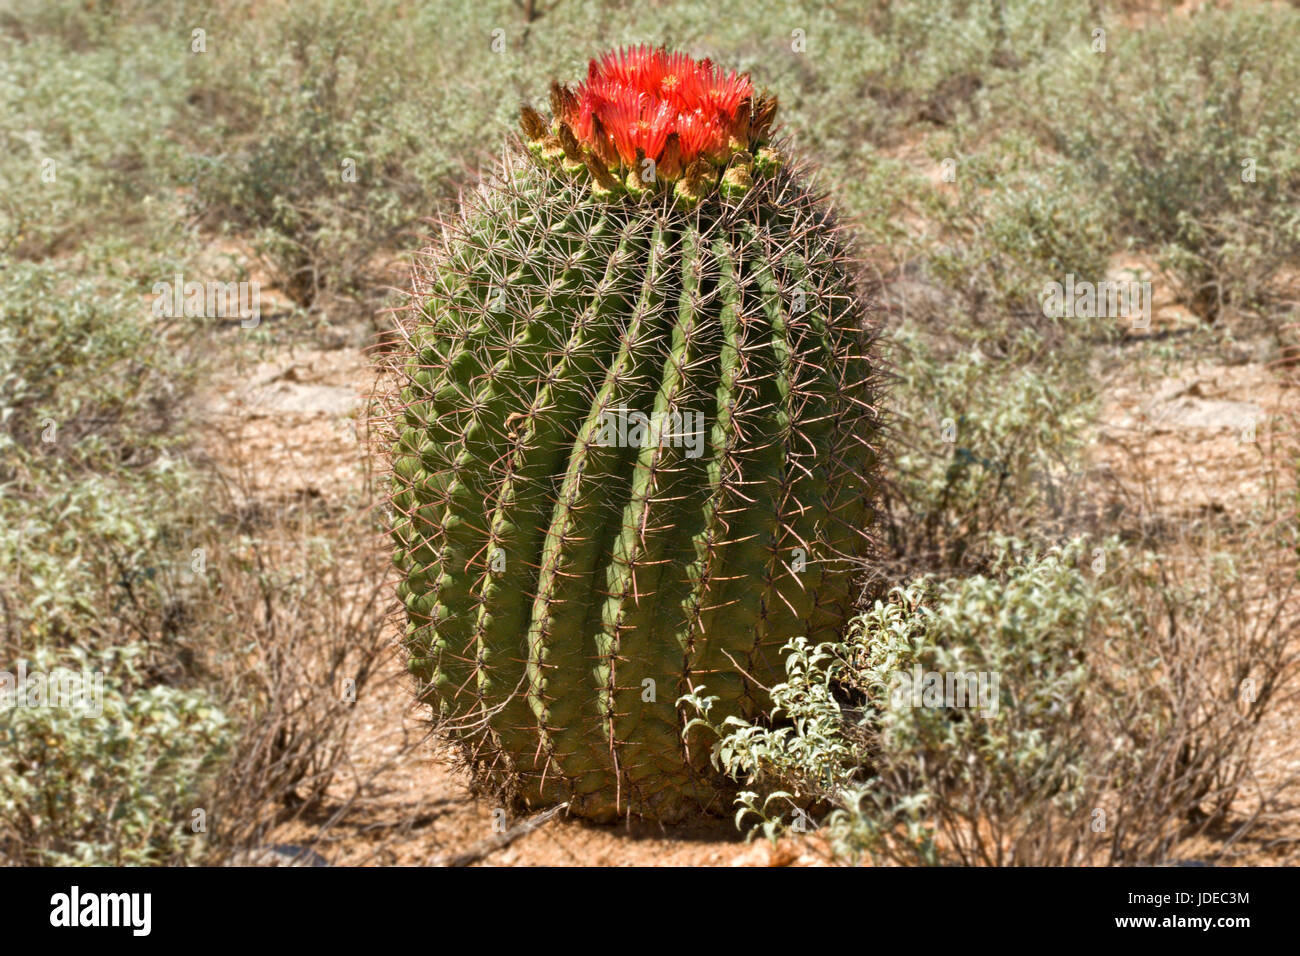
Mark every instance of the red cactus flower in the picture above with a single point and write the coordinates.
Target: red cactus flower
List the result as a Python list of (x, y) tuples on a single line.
[(666, 105)]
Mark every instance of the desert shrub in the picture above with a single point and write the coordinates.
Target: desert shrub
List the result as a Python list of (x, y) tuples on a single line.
[(1016, 752), (114, 785), (991, 397), (306, 158), (1012, 221), (86, 111), (83, 372), (1166, 126), (90, 397), (984, 444), (1112, 723), (94, 523), (298, 605), (232, 640), (118, 544), (878, 73), (1021, 626), (228, 678), (82, 24)]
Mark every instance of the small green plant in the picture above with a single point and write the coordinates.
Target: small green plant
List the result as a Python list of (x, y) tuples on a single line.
[(871, 724)]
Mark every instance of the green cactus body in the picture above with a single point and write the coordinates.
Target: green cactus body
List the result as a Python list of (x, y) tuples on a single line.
[(634, 457)]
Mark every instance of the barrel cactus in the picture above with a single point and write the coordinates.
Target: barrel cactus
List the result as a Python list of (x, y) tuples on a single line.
[(635, 443)]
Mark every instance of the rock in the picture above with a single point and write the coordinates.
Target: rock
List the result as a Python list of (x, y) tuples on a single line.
[(787, 852), (1192, 412), (1190, 407), (297, 397), (907, 296), (281, 854)]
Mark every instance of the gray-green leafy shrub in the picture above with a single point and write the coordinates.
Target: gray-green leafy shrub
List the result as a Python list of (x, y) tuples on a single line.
[(874, 73), (308, 160), (226, 670), (984, 444), (95, 540), (1012, 220), (884, 764), (96, 502), (86, 140), (105, 522), (1121, 725), (1163, 126), (116, 787), (81, 353)]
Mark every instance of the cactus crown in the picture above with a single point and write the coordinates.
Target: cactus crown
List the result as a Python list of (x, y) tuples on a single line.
[(646, 120)]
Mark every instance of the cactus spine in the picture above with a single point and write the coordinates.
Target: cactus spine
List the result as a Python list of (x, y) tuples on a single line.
[(634, 452)]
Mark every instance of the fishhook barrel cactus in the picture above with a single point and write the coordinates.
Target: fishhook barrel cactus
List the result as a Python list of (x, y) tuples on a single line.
[(635, 446)]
